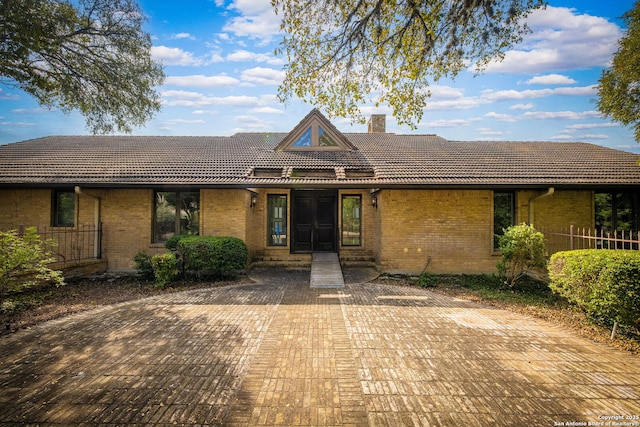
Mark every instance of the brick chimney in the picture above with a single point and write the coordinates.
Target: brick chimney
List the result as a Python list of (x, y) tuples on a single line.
[(378, 123)]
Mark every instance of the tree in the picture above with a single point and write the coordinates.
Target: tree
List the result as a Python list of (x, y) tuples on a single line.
[(93, 57), (619, 89), (342, 54)]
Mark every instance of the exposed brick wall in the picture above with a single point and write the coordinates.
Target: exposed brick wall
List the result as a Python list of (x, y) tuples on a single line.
[(224, 213), (25, 207), (127, 216), (453, 227)]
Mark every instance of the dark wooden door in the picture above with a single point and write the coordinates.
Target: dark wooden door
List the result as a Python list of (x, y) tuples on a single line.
[(314, 221)]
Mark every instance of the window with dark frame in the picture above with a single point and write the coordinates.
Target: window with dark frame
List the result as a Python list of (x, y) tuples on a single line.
[(175, 213), (277, 220), (351, 220), (64, 208), (503, 214), (617, 211)]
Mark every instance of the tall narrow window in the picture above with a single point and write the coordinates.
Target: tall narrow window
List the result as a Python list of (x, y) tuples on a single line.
[(64, 208), (503, 214), (351, 220), (176, 213), (277, 220)]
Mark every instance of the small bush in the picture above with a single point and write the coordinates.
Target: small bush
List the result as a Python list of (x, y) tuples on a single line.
[(604, 283), (522, 249), (24, 263), (143, 264), (165, 269), (221, 256), (427, 280)]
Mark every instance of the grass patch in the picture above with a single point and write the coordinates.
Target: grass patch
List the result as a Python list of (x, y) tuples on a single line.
[(528, 292)]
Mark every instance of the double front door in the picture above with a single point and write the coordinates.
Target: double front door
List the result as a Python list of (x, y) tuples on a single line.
[(314, 220)]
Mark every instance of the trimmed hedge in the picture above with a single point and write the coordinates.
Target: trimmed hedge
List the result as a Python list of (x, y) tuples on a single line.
[(604, 283), (217, 255)]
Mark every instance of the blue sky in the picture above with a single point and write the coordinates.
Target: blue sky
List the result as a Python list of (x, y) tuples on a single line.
[(222, 78)]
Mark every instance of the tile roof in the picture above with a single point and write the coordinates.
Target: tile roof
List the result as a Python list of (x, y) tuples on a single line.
[(396, 160)]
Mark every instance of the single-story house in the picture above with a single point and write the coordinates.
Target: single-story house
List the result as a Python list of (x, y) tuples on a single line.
[(401, 202)]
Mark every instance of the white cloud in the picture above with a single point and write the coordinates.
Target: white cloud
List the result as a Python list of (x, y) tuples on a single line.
[(221, 80), (551, 79), (183, 98), (561, 40), (183, 36), (501, 117), (266, 110), (174, 56), (528, 106), (449, 123), (262, 76), (247, 56), (32, 110), (512, 94), (565, 115), (595, 136), (257, 20), (581, 126), (185, 122), (8, 96), (206, 112)]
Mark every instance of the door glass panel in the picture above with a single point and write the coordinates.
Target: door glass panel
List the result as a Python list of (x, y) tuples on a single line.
[(351, 220), (277, 220)]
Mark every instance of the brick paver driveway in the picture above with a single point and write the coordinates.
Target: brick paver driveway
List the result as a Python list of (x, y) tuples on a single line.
[(280, 353)]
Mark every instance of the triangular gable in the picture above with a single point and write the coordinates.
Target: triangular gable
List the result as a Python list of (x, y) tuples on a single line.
[(315, 133)]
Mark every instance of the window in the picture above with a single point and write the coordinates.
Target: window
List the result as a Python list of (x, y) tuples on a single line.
[(503, 214), (351, 220), (64, 208), (617, 211), (175, 213), (277, 220)]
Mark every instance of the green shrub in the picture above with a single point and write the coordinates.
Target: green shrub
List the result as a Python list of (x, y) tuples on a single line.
[(143, 264), (172, 242), (427, 280), (24, 263), (604, 283), (522, 249), (165, 269), (221, 256)]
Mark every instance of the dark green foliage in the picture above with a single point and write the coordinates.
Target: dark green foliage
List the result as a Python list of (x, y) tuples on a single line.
[(92, 56), (220, 256), (172, 242), (604, 283), (427, 280), (618, 91), (143, 264), (165, 269)]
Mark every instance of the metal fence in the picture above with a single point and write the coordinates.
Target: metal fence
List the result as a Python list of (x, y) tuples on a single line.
[(72, 245), (573, 238)]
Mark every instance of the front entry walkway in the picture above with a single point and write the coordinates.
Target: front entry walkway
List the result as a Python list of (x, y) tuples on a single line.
[(326, 271), (281, 353)]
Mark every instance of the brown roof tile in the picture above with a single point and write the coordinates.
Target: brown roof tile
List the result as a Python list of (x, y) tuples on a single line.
[(396, 160)]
